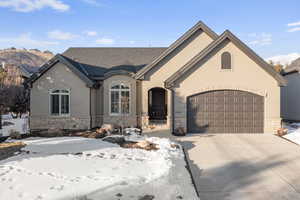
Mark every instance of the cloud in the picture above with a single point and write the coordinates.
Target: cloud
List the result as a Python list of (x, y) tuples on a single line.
[(294, 24), (90, 33), (60, 35), (32, 5), (284, 59), (92, 2), (105, 41), (25, 40), (261, 39), (293, 29)]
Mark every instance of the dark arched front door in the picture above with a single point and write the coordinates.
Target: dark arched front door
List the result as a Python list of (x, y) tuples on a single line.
[(225, 111), (157, 107)]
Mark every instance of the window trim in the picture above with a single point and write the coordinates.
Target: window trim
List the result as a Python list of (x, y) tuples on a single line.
[(226, 69), (120, 102), (59, 93)]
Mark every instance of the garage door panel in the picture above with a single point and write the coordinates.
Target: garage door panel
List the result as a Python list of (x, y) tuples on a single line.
[(226, 111)]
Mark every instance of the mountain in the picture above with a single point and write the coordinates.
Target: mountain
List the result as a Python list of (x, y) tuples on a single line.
[(31, 57)]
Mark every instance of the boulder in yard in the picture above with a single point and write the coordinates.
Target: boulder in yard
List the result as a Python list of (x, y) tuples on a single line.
[(109, 128), (179, 131), (282, 131), (115, 139), (131, 131)]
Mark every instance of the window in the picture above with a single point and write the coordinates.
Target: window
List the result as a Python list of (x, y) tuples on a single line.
[(60, 102), (226, 60), (119, 99)]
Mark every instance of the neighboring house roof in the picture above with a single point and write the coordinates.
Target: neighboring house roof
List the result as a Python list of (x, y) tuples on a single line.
[(199, 26), (293, 67), (108, 58), (227, 35), (75, 67), (28, 70)]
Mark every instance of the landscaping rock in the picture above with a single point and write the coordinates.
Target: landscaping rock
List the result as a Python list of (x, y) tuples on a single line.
[(130, 131), (282, 131), (179, 131), (115, 139), (146, 145), (109, 128)]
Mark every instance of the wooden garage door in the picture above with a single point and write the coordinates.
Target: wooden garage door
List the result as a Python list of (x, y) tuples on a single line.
[(225, 111)]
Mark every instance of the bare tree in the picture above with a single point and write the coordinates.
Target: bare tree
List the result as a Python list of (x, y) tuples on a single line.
[(2, 93)]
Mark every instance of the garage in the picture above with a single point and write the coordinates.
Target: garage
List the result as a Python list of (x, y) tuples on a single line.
[(225, 111)]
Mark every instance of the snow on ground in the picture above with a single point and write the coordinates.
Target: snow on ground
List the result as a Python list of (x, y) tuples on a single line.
[(17, 124), (83, 168), (293, 132)]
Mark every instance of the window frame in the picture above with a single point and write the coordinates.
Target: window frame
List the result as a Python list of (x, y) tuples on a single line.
[(119, 90), (230, 56), (60, 93)]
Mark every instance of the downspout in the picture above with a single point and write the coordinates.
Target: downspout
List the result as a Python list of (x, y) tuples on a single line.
[(91, 108)]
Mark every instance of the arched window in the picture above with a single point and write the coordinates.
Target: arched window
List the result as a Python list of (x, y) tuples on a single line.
[(226, 60), (59, 102), (119, 99)]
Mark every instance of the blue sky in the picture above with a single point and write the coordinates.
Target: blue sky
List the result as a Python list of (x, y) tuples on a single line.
[(271, 28)]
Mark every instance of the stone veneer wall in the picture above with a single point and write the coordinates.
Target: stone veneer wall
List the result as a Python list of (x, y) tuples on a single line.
[(73, 123)]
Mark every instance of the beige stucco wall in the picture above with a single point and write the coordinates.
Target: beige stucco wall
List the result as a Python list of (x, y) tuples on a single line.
[(157, 76), (290, 98), (122, 120), (59, 77), (245, 75)]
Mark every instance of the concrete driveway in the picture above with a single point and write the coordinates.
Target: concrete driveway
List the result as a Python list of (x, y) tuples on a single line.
[(242, 167)]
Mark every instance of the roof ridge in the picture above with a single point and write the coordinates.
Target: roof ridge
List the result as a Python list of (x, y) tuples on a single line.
[(199, 25)]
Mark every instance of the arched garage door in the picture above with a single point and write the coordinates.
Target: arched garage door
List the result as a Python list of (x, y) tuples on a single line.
[(225, 111)]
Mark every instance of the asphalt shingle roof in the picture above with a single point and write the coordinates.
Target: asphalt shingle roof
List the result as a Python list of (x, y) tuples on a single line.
[(97, 61)]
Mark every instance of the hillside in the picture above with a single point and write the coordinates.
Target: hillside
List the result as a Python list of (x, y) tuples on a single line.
[(16, 57)]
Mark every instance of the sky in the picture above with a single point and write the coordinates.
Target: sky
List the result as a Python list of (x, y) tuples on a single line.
[(271, 28)]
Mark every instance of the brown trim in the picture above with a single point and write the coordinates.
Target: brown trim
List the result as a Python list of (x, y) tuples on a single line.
[(91, 118), (175, 45), (227, 35)]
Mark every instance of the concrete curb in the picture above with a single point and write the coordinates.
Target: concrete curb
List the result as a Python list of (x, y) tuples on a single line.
[(190, 171)]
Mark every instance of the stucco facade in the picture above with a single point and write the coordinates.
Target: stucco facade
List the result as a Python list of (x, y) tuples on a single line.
[(191, 65), (60, 77), (159, 74), (245, 75), (124, 119)]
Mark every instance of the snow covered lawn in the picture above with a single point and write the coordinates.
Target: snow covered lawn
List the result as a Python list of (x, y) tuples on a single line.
[(82, 168), (293, 132)]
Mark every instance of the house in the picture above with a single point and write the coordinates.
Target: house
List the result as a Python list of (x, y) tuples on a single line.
[(290, 95), (203, 82), (26, 71)]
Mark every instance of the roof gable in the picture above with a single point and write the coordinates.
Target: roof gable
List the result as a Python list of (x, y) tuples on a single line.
[(199, 26), (75, 67), (227, 35)]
